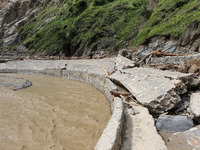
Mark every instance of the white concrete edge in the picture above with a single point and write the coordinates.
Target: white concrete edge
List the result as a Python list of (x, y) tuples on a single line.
[(111, 137)]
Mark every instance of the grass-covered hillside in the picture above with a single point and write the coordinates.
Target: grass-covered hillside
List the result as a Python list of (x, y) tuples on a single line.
[(80, 26)]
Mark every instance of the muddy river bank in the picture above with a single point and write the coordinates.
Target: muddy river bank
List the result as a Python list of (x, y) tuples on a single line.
[(54, 113)]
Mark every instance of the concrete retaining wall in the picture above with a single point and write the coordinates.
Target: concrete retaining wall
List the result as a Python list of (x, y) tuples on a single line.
[(112, 135)]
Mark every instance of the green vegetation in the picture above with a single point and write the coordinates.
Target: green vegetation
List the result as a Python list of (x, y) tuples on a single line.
[(78, 26), (171, 17), (75, 26)]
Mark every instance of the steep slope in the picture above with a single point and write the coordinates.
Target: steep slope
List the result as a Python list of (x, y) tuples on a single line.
[(171, 17), (82, 26), (77, 27)]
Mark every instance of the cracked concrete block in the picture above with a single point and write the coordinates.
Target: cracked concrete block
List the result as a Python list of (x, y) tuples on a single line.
[(123, 63), (195, 105), (158, 90), (140, 132)]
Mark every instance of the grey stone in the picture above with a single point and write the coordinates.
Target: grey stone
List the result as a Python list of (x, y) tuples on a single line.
[(168, 123), (162, 87), (195, 105), (188, 140), (14, 83), (170, 47), (144, 52)]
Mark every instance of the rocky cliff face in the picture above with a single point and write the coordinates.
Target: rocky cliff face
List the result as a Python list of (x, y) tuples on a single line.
[(14, 15)]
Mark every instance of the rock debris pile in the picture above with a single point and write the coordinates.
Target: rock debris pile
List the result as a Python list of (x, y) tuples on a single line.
[(172, 97)]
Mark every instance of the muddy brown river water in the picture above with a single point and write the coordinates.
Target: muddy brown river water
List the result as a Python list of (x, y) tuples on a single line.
[(53, 114)]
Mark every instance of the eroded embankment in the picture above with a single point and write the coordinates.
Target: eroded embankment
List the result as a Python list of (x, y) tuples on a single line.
[(91, 72)]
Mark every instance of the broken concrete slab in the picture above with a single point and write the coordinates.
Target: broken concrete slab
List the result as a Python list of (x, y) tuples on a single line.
[(188, 140), (14, 83), (140, 132), (156, 89), (195, 106), (123, 63), (172, 124)]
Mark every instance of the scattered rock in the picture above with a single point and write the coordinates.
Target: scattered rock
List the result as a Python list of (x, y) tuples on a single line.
[(170, 47), (162, 87), (158, 42), (168, 123), (188, 140), (193, 66), (174, 59), (14, 83), (195, 106)]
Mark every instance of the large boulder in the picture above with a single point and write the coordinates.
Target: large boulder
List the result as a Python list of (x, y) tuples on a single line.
[(158, 90), (172, 124)]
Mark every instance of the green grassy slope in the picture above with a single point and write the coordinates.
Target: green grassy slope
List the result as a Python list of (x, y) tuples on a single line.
[(78, 26), (171, 17)]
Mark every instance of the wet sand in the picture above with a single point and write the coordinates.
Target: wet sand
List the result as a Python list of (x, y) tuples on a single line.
[(53, 114)]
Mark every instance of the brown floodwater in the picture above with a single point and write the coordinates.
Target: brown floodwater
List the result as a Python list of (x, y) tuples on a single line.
[(53, 114)]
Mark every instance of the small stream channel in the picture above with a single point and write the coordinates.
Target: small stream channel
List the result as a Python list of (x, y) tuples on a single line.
[(52, 114)]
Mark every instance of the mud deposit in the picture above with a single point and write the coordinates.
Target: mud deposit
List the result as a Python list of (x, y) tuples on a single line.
[(53, 114)]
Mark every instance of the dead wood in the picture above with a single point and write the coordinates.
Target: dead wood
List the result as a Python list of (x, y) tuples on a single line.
[(160, 54), (119, 94)]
